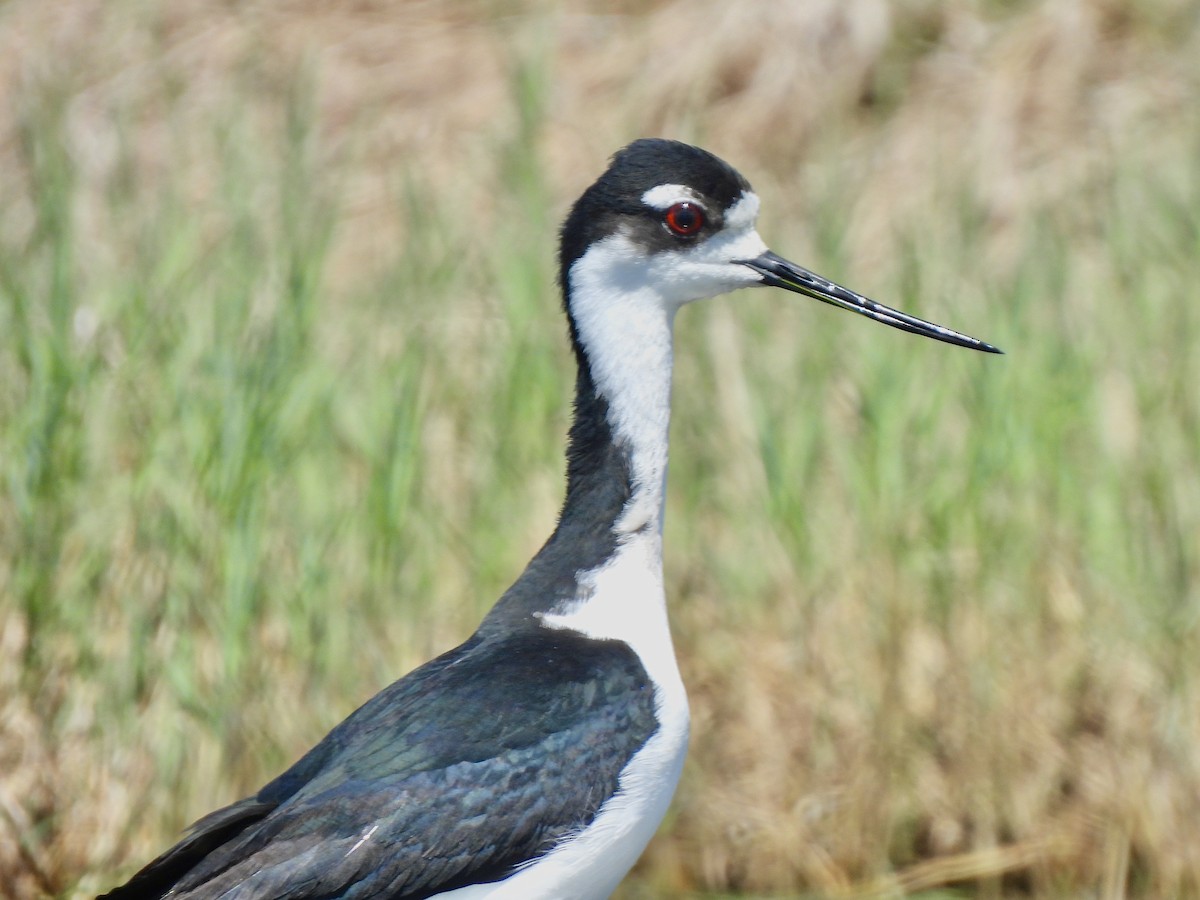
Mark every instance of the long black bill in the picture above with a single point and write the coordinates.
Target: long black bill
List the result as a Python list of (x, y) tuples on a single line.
[(778, 272)]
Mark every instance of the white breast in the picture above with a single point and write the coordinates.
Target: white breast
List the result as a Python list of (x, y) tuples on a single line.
[(622, 600)]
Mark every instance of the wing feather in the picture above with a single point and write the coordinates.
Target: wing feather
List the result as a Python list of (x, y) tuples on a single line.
[(476, 763)]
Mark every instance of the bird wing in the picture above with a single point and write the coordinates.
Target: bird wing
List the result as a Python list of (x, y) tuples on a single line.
[(476, 763)]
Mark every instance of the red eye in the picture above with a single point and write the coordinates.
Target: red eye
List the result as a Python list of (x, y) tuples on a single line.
[(684, 219)]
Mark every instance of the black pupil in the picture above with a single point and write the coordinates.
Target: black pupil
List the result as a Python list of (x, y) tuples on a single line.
[(684, 218)]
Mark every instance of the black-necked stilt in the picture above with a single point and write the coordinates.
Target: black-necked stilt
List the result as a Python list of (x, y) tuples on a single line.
[(536, 759)]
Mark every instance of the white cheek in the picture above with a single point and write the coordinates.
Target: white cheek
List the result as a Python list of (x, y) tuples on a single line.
[(710, 268), (736, 245)]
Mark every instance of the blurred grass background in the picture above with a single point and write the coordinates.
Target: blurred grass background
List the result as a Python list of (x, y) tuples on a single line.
[(285, 385)]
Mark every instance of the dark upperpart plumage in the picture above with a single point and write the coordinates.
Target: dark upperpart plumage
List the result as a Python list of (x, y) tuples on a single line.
[(496, 734)]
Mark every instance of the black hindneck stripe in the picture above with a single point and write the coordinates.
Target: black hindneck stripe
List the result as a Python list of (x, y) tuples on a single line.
[(599, 485)]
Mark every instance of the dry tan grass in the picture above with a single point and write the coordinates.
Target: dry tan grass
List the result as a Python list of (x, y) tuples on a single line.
[(792, 777)]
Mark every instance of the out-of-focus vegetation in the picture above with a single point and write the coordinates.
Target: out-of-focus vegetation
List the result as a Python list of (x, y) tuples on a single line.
[(285, 383)]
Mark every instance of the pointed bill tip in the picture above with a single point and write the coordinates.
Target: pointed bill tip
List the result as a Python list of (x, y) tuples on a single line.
[(779, 272)]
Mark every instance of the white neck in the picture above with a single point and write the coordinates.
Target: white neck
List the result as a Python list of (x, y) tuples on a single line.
[(624, 326)]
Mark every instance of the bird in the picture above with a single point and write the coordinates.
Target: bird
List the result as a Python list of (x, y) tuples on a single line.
[(537, 758)]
